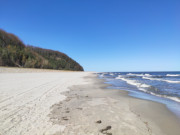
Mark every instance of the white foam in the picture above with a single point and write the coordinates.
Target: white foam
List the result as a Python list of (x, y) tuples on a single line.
[(133, 82), (143, 86), (101, 75), (164, 96), (147, 75), (144, 77), (119, 77), (169, 81), (135, 74), (130, 74), (173, 75), (172, 81), (173, 98)]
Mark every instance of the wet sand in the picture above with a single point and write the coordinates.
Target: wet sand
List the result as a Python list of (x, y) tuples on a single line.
[(93, 109), (75, 103)]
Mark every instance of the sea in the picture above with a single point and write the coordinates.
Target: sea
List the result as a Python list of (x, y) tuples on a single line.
[(162, 87)]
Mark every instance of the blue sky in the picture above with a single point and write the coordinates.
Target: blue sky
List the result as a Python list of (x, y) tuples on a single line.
[(102, 35)]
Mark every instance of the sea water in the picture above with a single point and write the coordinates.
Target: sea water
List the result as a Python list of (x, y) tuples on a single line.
[(162, 87)]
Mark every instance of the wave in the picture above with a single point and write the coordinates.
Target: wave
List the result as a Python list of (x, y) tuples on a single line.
[(157, 79), (148, 88), (147, 75), (130, 74), (173, 98), (165, 96), (135, 74), (119, 77), (142, 86), (157, 76), (173, 75), (169, 81), (101, 75), (133, 82)]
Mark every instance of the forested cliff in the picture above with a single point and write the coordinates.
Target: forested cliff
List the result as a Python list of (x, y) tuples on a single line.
[(14, 53)]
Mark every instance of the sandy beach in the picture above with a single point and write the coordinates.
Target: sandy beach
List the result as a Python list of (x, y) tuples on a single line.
[(46, 102)]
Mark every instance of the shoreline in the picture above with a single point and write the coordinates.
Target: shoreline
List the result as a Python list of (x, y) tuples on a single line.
[(146, 113), (76, 103), (168, 103), (114, 108)]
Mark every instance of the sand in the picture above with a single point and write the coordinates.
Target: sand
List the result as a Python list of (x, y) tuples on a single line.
[(26, 98), (75, 103), (89, 109), (27, 70)]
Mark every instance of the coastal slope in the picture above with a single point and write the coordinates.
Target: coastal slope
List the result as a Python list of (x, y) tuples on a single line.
[(14, 53)]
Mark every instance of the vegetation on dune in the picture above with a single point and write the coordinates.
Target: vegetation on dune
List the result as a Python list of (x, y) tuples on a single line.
[(14, 53)]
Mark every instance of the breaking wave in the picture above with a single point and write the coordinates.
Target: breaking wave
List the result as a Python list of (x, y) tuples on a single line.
[(157, 79), (141, 86), (173, 75), (148, 88)]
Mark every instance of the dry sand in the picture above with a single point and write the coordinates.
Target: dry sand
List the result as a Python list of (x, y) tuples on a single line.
[(26, 98), (27, 70), (75, 103)]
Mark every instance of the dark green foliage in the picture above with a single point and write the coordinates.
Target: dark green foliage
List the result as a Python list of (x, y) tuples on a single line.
[(14, 53)]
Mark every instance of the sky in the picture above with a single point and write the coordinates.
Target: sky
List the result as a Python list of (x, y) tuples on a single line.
[(101, 35)]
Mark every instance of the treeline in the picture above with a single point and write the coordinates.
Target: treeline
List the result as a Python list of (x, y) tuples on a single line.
[(14, 53)]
